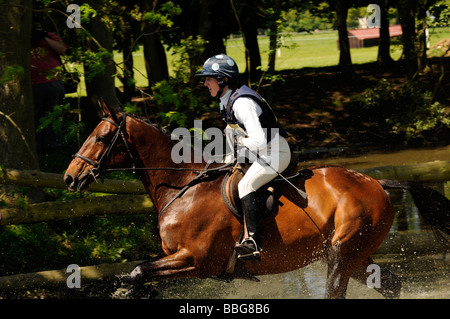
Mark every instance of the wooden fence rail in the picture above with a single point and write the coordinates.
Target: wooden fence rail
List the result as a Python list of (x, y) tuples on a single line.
[(53, 278), (84, 207), (51, 180)]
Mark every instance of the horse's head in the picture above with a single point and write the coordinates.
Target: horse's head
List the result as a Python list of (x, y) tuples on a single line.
[(107, 147)]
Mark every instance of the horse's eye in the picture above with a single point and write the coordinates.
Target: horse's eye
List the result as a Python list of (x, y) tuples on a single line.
[(100, 139)]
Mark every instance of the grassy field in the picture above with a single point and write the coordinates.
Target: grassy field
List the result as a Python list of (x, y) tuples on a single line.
[(304, 50), (317, 50), (298, 51)]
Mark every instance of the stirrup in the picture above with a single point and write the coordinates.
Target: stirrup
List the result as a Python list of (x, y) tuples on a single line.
[(248, 250)]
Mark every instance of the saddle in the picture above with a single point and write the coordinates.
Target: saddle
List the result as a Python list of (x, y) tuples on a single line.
[(269, 193)]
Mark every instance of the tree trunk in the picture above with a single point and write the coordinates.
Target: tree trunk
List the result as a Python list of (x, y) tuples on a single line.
[(155, 57), (407, 20), (154, 52), (345, 60), (211, 29), (249, 23), (384, 55), (421, 34), (273, 36), (17, 138), (127, 79), (103, 84)]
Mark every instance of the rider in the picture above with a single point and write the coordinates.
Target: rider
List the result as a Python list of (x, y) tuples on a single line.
[(242, 106)]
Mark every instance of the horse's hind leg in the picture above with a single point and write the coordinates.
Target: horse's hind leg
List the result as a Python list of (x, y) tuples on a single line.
[(177, 265), (387, 284), (337, 276)]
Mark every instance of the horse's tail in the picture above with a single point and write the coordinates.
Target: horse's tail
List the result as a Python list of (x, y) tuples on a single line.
[(432, 205)]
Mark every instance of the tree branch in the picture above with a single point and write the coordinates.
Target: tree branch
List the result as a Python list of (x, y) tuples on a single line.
[(21, 134)]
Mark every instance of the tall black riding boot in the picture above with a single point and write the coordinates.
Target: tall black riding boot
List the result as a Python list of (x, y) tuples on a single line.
[(250, 248)]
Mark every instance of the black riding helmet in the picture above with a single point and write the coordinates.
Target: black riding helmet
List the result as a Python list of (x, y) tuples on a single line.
[(220, 66)]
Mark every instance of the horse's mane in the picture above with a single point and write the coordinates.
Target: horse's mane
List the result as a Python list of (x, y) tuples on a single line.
[(147, 121)]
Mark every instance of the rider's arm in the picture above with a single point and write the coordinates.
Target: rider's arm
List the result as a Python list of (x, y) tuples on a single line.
[(247, 112), (55, 43)]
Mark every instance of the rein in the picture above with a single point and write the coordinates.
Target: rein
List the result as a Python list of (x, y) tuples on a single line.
[(224, 167)]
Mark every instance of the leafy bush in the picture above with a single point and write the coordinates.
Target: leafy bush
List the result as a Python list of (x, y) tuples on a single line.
[(61, 121), (178, 103), (406, 109), (84, 241), (178, 99)]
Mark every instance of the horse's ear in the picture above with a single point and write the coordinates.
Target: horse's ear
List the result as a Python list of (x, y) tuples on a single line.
[(103, 107), (107, 110)]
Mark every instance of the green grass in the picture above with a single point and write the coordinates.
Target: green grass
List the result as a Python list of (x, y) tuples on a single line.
[(298, 51)]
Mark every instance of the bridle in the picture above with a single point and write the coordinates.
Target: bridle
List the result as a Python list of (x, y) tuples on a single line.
[(97, 170)]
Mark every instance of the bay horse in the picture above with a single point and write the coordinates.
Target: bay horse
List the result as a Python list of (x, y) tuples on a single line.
[(346, 217)]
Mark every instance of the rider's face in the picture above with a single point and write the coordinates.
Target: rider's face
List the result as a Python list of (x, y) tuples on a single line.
[(212, 85)]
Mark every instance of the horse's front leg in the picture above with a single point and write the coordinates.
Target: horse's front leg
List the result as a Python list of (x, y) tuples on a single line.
[(177, 265)]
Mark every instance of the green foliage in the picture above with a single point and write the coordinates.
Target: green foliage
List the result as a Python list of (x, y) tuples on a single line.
[(166, 95), (441, 11), (132, 108), (83, 241), (269, 79), (407, 109), (59, 122), (164, 16), (87, 12), (54, 119), (12, 73), (95, 62), (29, 248), (188, 50), (112, 239), (178, 101), (294, 20)]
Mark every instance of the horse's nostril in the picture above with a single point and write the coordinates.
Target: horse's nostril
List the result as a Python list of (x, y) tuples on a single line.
[(68, 179)]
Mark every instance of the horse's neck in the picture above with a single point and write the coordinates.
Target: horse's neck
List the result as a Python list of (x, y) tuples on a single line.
[(154, 148)]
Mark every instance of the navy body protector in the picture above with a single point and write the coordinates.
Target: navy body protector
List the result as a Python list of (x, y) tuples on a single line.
[(267, 118)]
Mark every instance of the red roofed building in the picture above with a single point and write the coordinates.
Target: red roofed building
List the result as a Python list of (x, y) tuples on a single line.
[(361, 38)]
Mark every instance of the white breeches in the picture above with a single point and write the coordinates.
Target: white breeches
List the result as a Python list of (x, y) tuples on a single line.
[(278, 155)]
